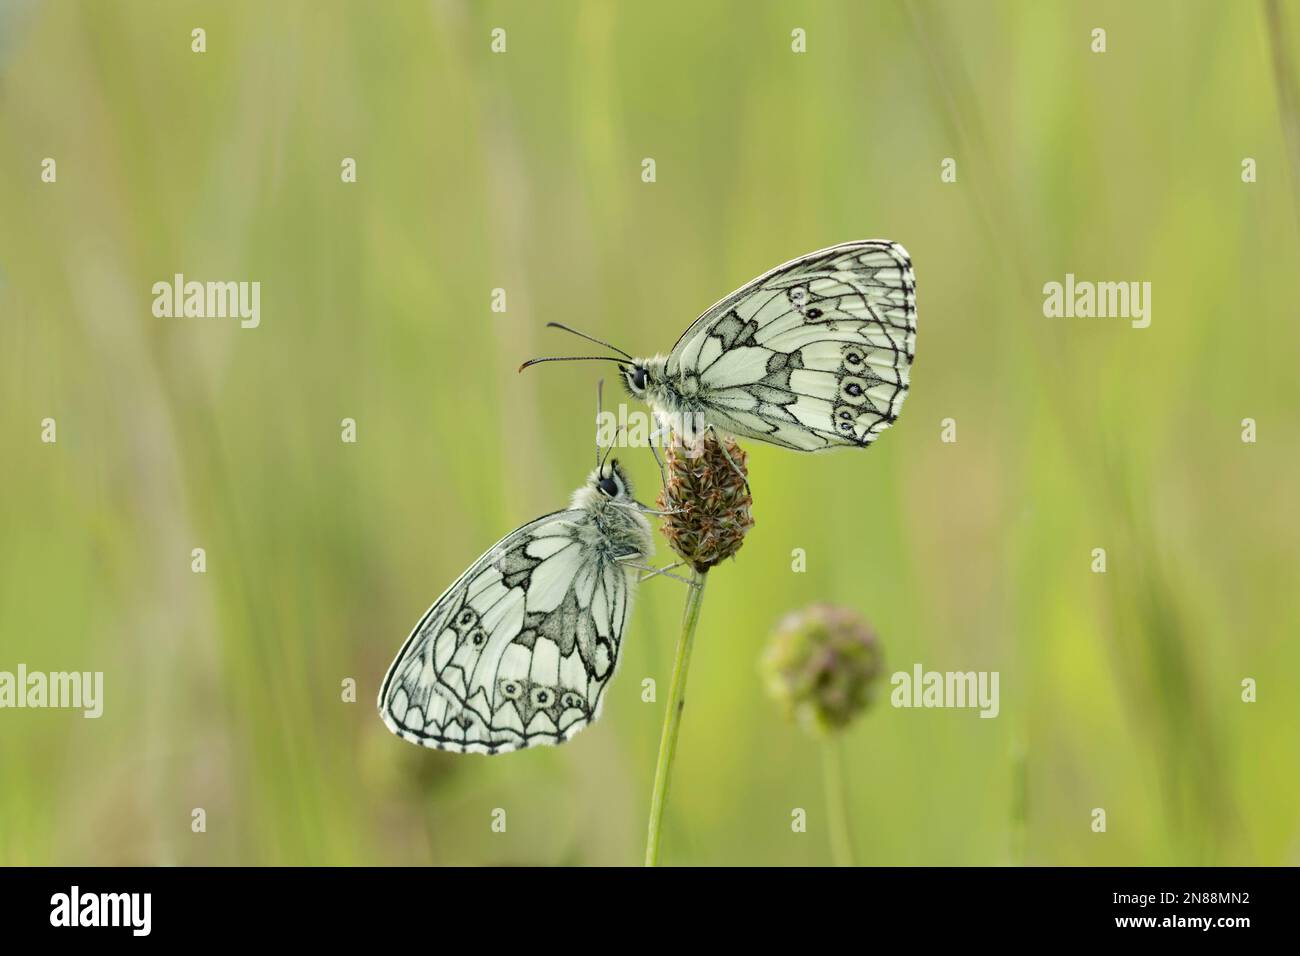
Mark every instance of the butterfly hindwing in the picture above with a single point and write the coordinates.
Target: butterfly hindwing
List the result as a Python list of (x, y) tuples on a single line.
[(519, 650), (813, 355)]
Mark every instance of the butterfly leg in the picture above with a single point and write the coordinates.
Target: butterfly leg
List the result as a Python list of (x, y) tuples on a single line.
[(664, 570), (637, 506), (654, 572), (731, 461), (663, 476)]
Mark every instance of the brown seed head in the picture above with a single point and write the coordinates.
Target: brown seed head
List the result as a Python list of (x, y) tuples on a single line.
[(709, 498)]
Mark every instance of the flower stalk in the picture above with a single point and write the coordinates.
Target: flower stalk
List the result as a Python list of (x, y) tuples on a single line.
[(823, 666), (673, 717), (837, 802)]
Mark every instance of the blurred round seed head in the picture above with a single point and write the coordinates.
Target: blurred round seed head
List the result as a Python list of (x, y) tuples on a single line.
[(823, 665)]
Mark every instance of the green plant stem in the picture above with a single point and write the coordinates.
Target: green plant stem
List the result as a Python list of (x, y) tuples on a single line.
[(1019, 805), (673, 717), (837, 803)]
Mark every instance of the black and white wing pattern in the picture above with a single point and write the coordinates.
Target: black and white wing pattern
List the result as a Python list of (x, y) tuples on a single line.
[(813, 355), (519, 650)]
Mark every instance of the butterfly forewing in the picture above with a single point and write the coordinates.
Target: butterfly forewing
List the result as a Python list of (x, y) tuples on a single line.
[(815, 354), (519, 650)]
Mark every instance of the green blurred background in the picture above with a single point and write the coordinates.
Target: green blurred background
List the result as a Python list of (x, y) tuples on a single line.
[(523, 171)]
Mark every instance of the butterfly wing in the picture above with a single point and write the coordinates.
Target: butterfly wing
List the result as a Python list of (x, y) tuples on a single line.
[(813, 355), (519, 650)]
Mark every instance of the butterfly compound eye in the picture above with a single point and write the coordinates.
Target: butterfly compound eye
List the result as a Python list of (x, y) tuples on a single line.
[(638, 378), (608, 486)]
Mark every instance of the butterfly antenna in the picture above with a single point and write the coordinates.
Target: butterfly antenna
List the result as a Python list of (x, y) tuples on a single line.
[(600, 462), (600, 384), (572, 358), (589, 338)]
